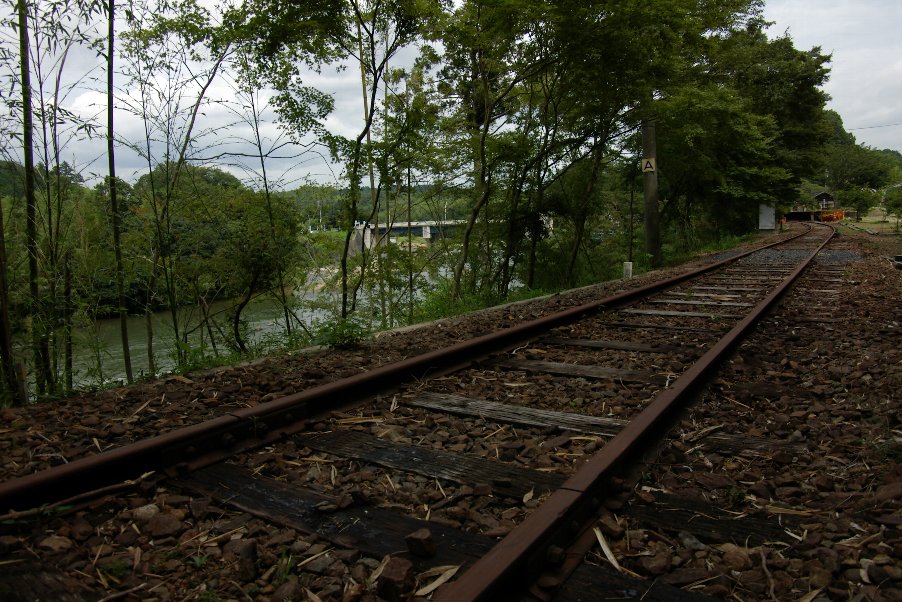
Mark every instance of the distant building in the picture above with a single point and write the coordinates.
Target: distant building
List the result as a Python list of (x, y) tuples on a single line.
[(826, 210), (825, 200), (822, 201)]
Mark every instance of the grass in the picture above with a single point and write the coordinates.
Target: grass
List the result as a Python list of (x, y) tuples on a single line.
[(118, 569), (284, 568), (675, 254), (876, 221), (340, 333)]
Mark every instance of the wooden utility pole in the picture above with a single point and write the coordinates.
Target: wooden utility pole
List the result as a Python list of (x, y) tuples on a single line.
[(650, 186)]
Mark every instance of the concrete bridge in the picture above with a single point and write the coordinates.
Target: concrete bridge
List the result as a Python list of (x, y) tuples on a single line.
[(429, 230)]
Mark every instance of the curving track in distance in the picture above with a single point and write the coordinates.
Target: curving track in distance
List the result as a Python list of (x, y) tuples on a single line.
[(566, 517)]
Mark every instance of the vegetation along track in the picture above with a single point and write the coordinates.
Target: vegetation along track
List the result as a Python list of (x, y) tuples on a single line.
[(504, 469)]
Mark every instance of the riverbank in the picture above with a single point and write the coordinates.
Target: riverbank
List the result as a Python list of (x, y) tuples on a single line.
[(98, 359)]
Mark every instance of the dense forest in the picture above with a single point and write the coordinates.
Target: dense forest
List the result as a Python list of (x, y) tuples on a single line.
[(521, 123)]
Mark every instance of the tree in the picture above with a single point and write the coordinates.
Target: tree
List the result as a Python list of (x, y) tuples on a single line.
[(407, 131), (14, 389), (741, 127), (11, 181), (288, 37), (250, 108), (488, 55), (892, 202), (854, 166), (40, 347), (47, 34), (518, 71), (784, 83), (717, 162), (380, 30), (172, 76), (260, 246), (895, 157), (113, 191), (855, 172), (859, 199)]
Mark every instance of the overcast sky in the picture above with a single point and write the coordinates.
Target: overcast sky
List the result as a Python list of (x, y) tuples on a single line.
[(863, 36), (865, 39)]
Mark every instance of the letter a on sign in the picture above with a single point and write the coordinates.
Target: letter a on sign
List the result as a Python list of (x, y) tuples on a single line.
[(648, 165)]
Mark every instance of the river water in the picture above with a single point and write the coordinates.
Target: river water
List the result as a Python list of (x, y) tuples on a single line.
[(97, 349)]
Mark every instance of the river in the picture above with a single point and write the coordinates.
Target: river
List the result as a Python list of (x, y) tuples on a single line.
[(97, 349)]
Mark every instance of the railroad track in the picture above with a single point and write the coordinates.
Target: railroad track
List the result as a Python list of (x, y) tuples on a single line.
[(514, 451)]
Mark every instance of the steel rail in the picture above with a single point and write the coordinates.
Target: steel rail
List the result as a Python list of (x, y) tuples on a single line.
[(268, 422), (514, 564)]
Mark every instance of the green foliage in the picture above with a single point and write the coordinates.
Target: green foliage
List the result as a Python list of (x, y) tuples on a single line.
[(851, 166), (439, 302), (340, 333), (895, 158), (840, 135), (716, 160), (118, 569), (198, 561), (284, 568), (742, 131), (859, 199), (11, 179), (188, 357), (892, 203), (277, 341), (783, 82)]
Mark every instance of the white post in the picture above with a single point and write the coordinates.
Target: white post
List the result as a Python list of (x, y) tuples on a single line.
[(627, 269)]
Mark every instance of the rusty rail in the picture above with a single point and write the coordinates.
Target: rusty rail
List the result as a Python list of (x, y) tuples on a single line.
[(514, 564), (257, 426)]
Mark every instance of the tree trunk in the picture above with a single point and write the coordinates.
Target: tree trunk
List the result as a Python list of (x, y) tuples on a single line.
[(409, 254), (582, 215), (345, 252), (57, 309), (377, 242), (503, 275), (148, 324), (465, 246), (282, 295), (348, 297), (15, 389), (483, 191), (114, 202), (535, 230), (40, 348), (531, 266), (236, 320), (650, 180), (68, 311), (206, 319), (148, 320), (481, 114)]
